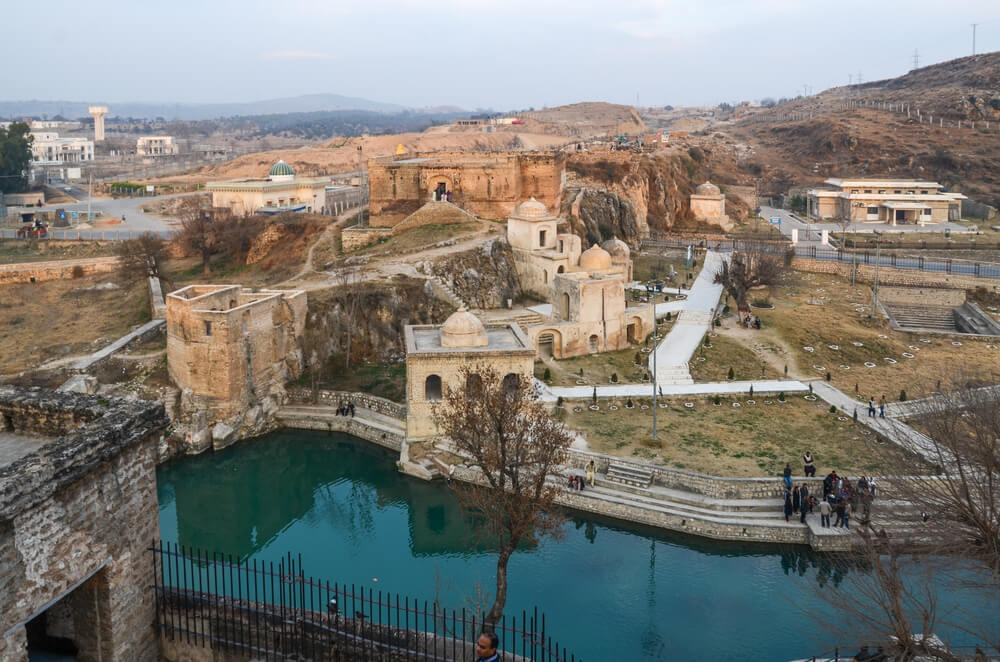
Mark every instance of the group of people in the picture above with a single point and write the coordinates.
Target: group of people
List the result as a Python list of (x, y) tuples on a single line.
[(346, 409), (577, 482), (881, 407), (840, 497), (750, 322)]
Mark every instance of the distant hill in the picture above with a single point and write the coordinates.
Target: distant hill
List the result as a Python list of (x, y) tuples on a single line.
[(197, 111), (590, 118)]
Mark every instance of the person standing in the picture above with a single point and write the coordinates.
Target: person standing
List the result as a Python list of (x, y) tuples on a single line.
[(824, 513), (871, 407), (809, 465), (796, 503), (788, 505), (846, 520), (881, 406), (486, 647), (788, 477), (804, 497), (840, 510)]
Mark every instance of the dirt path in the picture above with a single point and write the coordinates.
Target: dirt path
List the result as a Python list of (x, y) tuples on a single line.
[(766, 346), (307, 266)]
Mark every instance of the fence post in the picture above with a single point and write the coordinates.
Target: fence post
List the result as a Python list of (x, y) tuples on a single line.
[(948, 263), (920, 262)]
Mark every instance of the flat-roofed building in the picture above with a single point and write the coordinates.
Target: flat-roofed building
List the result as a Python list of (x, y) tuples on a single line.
[(156, 146), (48, 147), (893, 201), (281, 192)]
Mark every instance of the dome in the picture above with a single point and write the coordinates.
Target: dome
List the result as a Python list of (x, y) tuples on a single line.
[(595, 257), (282, 170), (616, 248), (463, 329), (532, 209), (708, 188)]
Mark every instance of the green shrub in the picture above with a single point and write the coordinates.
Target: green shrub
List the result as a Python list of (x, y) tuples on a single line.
[(829, 376), (730, 375), (547, 375), (833, 409), (751, 391), (781, 397), (614, 378), (902, 396), (559, 401), (717, 400), (668, 316)]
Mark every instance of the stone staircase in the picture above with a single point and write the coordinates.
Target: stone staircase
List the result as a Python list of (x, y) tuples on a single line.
[(932, 318), (444, 291), (673, 375), (629, 474), (523, 318)]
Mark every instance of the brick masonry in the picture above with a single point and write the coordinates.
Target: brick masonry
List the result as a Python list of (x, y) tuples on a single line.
[(75, 518)]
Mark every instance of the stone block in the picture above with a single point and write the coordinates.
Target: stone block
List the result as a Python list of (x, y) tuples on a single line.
[(199, 441), (86, 384), (222, 435)]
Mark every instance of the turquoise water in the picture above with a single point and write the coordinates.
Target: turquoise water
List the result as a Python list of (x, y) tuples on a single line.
[(610, 592)]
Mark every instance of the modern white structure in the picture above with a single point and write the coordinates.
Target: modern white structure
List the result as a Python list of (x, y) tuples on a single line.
[(892, 201), (49, 148), (98, 113), (156, 146)]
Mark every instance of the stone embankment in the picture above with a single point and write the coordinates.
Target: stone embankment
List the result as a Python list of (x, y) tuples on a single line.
[(36, 272)]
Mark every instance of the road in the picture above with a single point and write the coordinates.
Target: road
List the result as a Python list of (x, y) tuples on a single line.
[(136, 220)]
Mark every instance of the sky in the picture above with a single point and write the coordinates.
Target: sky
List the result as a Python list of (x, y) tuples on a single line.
[(500, 54)]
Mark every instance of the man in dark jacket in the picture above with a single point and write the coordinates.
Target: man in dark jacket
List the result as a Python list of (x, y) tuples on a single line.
[(486, 647)]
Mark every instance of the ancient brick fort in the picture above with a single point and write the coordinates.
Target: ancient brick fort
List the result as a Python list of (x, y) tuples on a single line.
[(489, 185)]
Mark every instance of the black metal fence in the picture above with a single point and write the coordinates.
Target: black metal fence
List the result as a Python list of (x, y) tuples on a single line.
[(963, 267), (273, 611)]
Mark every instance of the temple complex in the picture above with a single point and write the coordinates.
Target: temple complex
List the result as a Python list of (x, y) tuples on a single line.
[(708, 205)]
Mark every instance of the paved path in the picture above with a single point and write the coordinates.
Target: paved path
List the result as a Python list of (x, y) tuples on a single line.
[(550, 393), (693, 321), (894, 430), (89, 360)]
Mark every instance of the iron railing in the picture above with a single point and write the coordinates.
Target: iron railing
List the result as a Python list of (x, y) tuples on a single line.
[(963, 267), (274, 611)]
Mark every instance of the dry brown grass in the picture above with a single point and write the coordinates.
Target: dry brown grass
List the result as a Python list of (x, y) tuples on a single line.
[(420, 237), (44, 321), (725, 353), (745, 441), (12, 251)]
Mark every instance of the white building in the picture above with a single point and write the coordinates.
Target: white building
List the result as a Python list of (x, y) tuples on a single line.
[(156, 146), (48, 147)]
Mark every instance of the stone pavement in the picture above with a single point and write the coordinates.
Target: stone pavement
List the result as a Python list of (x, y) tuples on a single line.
[(550, 393), (894, 430)]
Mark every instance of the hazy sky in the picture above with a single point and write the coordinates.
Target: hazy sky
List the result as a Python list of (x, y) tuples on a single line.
[(502, 54)]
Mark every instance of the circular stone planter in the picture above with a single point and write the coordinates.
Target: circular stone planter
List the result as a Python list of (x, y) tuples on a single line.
[(716, 404), (736, 404), (783, 402), (844, 367), (882, 336), (991, 347), (809, 349), (857, 344), (577, 409), (700, 358), (907, 355), (810, 397), (645, 407), (842, 418), (760, 307), (594, 408), (613, 407), (708, 346), (955, 343), (712, 335), (689, 405), (819, 368), (645, 350), (662, 406), (768, 402), (926, 341), (890, 361), (581, 382), (629, 406), (751, 402), (834, 347), (869, 364), (914, 348)]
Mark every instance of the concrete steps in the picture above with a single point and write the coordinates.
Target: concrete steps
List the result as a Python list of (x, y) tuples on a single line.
[(367, 416), (444, 291), (629, 474), (935, 318), (673, 375)]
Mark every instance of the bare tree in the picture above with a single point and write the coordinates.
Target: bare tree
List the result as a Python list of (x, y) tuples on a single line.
[(316, 351), (510, 437), (752, 265), (141, 257), (956, 519), (198, 233), (348, 282)]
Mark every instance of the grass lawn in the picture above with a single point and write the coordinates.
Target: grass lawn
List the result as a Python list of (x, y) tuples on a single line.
[(651, 267), (597, 368), (833, 330), (44, 321), (746, 441), (385, 380), (724, 354), (425, 235), (984, 238), (12, 251)]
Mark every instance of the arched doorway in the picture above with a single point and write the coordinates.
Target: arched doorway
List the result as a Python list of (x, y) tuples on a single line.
[(432, 388), (511, 383), (634, 330), (439, 188), (547, 342), (473, 386)]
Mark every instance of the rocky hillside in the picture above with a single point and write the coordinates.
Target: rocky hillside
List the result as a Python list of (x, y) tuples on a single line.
[(584, 120), (482, 278)]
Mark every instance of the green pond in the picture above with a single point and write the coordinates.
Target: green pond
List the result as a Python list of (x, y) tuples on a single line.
[(610, 591)]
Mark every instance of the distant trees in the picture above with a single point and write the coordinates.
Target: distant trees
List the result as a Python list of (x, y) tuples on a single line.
[(198, 233), (504, 432), (15, 157)]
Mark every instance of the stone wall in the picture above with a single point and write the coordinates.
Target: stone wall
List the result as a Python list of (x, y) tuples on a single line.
[(355, 237), (24, 272), (894, 276), (75, 519), (347, 424), (921, 296), (335, 398)]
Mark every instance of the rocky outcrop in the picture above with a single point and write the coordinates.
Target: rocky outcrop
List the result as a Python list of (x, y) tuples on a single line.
[(484, 277)]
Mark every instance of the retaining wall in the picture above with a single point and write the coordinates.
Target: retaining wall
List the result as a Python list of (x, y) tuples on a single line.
[(300, 395), (24, 272), (895, 276), (357, 427)]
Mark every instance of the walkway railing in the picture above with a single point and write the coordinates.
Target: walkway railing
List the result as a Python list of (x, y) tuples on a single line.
[(968, 268), (273, 611)]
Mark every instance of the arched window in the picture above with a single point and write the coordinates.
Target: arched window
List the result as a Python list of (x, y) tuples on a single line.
[(432, 388), (541, 239), (560, 269), (511, 383), (565, 306), (473, 385)]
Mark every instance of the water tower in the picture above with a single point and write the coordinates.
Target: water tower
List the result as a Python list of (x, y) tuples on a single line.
[(98, 113)]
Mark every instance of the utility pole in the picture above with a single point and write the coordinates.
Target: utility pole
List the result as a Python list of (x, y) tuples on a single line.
[(974, 37), (916, 58), (878, 245), (90, 194), (655, 337)]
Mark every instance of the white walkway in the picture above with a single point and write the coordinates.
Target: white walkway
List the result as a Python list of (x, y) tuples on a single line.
[(550, 393), (693, 321)]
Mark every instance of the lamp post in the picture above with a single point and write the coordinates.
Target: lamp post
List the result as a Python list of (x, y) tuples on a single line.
[(655, 338), (878, 246)]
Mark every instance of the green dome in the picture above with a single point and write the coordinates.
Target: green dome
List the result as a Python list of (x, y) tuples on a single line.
[(281, 169)]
